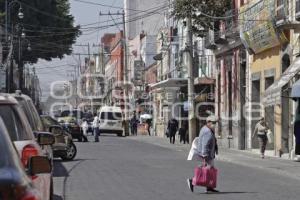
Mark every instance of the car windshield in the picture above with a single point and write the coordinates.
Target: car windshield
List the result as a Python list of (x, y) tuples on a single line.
[(27, 112), (15, 122), (75, 113), (111, 115), (31, 114)]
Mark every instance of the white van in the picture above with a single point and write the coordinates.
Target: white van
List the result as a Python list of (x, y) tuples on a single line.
[(111, 120)]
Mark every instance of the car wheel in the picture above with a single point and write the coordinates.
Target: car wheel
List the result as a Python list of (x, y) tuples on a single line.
[(71, 152), (80, 139)]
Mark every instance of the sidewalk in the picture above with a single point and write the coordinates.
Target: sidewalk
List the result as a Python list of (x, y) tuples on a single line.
[(244, 158)]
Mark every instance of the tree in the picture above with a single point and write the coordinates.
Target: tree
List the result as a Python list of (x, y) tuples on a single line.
[(48, 25), (199, 10)]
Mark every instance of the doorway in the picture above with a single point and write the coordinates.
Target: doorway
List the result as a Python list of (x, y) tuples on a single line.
[(242, 142), (285, 112), (255, 101), (269, 112)]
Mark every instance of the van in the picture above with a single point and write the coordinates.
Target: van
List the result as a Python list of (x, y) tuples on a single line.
[(111, 120)]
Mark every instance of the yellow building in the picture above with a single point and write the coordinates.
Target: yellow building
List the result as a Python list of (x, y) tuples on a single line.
[(268, 34)]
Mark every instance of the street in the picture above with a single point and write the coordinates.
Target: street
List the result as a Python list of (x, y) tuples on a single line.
[(128, 168)]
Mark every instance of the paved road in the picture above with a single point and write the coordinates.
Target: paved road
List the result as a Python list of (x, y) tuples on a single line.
[(122, 168)]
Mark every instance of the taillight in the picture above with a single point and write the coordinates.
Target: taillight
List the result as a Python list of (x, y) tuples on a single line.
[(25, 193), (28, 152), (30, 196)]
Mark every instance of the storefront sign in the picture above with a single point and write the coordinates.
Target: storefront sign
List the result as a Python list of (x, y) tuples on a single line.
[(257, 27)]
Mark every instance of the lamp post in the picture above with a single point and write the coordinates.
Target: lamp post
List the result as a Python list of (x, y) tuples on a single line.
[(8, 25)]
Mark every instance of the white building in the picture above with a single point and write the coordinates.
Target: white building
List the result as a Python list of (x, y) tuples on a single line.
[(146, 16)]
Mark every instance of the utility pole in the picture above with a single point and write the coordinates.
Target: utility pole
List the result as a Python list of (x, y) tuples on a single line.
[(191, 102), (125, 74)]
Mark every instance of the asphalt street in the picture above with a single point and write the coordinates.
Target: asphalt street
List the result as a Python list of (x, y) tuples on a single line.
[(123, 169)]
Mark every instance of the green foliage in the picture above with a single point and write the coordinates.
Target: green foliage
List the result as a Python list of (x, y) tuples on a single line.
[(48, 25), (192, 8)]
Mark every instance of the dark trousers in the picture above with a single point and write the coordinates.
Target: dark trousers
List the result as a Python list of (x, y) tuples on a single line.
[(172, 138), (134, 130), (262, 139), (85, 138), (96, 134)]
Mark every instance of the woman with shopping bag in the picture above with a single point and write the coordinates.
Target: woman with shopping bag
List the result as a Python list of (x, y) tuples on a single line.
[(205, 148)]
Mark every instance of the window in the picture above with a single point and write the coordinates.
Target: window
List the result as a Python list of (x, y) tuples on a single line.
[(111, 115), (242, 2), (16, 127)]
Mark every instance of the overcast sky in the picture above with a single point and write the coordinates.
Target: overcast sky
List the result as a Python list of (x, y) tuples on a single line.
[(84, 14)]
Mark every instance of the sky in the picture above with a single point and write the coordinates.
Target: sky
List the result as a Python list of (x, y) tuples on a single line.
[(62, 70)]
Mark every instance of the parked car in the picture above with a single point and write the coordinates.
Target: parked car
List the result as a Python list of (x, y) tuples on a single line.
[(111, 120), (64, 146), (71, 120), (25, 142), (14, 182), (33, 118)]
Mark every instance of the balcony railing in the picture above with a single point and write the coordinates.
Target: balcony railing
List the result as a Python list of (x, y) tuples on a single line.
[(206, 66), (282, 11), (231, 24), (284, 15)]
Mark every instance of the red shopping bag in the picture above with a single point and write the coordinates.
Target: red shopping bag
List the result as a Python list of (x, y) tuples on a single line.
[(205, 176)]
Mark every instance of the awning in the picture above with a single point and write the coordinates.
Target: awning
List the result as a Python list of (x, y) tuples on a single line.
[(273, 93), (171, 82), (296, 90)]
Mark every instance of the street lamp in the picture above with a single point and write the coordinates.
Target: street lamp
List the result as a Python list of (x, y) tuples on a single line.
[(21, 14), (10, 71)]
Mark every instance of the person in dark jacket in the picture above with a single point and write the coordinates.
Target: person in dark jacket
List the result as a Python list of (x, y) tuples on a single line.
[(133, 124), (172, 129)]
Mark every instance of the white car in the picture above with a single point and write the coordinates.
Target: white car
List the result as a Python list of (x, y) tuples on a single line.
[(111, 120), (25, 142)]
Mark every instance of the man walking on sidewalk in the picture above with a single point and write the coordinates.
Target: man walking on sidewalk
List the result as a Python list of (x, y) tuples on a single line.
[(207, 147)]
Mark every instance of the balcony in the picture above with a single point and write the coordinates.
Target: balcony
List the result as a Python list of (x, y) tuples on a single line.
[(210, 40), (283, 15), (297, 10), (220, 38), (231, 25)]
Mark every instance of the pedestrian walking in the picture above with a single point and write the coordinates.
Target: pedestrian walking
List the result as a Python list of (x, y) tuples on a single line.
[(84, 128), (206, 148), (261, 132), (133, 124), (96, 128), (172, 129), (183, 132)]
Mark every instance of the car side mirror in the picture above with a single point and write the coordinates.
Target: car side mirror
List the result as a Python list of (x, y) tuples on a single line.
[(45, 138), (39, 165)]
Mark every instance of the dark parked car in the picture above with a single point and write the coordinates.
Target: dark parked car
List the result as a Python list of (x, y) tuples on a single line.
[(71, 120), (14, 182), (64, 146)]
